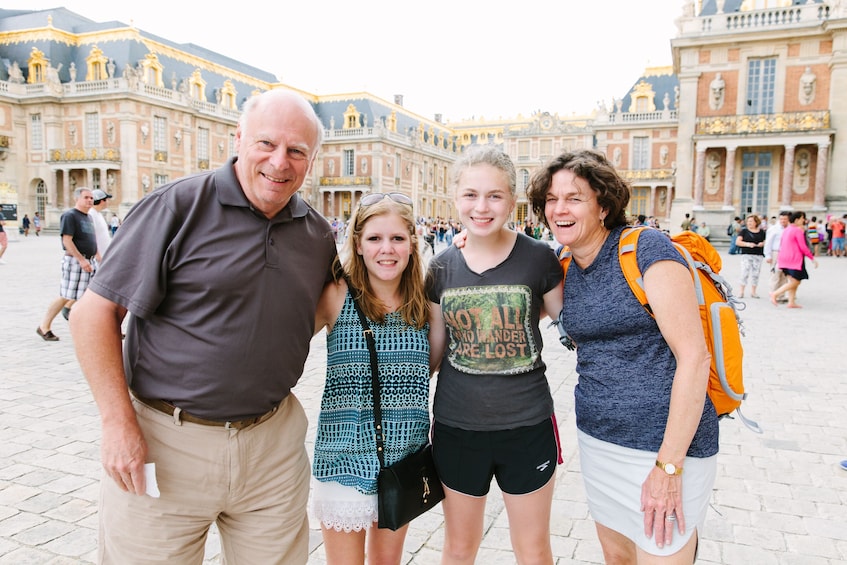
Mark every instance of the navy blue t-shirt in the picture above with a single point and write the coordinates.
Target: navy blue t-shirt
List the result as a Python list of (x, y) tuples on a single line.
[(625, 367)]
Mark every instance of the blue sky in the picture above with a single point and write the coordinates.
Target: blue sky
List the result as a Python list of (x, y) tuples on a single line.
[(462, 59)]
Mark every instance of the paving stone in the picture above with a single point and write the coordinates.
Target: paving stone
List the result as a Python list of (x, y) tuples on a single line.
[(779, 497)]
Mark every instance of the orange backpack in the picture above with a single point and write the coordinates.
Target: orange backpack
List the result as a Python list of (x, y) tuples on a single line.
[(722, 326)]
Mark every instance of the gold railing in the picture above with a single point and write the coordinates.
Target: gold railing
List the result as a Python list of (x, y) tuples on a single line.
[(764, 123), (160, 156), (646, 174), (344, 181), (84, 154), (4, 141)]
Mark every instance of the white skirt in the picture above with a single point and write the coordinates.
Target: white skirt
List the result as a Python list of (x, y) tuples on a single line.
[(341, 508), (613, 476)]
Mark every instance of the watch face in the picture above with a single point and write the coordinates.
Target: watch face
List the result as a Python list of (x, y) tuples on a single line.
[(670, 468)]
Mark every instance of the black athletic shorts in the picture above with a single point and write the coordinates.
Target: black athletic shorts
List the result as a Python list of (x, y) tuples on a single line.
[(523, 459)]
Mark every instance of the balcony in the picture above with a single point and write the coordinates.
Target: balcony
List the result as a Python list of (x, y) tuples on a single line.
[(764, 123), (802, 15), (81, 154), (647, 174), (640, 117), (345, 181), (160, 156)]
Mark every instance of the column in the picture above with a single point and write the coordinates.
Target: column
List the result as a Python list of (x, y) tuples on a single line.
[(104, 186), (820, 177), (669, 198), (699, 178), (53, 190), (652, 210), (729, 179), (787, 178)]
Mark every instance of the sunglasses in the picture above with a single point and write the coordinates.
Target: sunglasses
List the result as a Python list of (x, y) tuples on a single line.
[(374, 197)]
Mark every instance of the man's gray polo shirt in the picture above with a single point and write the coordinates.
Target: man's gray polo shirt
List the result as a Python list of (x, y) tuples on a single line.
[(223, 299)]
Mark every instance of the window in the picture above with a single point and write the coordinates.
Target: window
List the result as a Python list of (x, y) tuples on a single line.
[(203, 143), (96, 65), (761, 79), (40, 198), (232, 145), (349, 167), (523, 148), (755, 182), (638, 203), (160, 134), (523, 179), (546, 147), (92, 129), (36, 131), (159, 180), (640, 153)]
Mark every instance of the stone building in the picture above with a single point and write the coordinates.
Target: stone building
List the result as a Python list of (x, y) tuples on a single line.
[(745, 120), (760, 107)]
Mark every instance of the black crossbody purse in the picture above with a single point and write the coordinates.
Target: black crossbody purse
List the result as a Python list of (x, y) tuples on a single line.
[(409, 487)]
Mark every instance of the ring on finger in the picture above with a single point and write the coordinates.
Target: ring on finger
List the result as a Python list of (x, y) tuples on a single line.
[(671, 517)]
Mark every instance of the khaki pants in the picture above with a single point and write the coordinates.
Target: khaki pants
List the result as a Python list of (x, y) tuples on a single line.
[(777, 276), (254, 483)]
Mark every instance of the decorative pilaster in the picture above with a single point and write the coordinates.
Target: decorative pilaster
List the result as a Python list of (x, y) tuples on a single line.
[(652, 210), (729, 179), (787, 178), (820, 176), (699, 178)]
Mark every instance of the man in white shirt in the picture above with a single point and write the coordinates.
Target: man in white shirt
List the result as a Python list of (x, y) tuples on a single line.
[(772, 238), (101, 228)]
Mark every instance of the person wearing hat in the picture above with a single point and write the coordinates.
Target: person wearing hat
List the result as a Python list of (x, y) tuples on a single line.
[(101, 233), (101, 228)]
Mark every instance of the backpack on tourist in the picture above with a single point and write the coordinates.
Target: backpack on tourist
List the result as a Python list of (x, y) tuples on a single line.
[(722, 326)]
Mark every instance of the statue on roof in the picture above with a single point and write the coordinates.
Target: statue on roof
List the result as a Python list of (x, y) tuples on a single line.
[(15, 74)]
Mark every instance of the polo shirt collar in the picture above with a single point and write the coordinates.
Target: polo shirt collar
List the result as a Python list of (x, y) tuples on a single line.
[(230, 193)]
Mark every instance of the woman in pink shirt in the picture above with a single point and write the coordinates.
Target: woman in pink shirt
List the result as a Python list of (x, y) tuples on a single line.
[(792, 251)]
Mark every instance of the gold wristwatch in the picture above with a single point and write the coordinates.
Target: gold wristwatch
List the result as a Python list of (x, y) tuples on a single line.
[(669, 468)]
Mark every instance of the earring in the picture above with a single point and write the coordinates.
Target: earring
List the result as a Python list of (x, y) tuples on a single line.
[(602, 220)]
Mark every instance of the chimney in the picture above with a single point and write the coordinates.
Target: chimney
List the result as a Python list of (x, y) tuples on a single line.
[(398, 99)]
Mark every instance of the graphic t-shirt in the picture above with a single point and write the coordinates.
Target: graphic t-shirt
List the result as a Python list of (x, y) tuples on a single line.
[(492, 376)]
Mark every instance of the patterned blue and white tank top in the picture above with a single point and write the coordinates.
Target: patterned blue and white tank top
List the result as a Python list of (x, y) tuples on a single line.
[(345, 449)]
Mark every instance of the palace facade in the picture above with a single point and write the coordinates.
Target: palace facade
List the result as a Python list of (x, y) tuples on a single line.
[(745, 120)]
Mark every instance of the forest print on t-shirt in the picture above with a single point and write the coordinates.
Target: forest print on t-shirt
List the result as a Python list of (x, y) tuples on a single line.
[(490, 329)]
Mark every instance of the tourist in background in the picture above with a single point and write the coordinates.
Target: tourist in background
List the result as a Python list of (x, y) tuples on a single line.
[(793, 249), (751, 244)]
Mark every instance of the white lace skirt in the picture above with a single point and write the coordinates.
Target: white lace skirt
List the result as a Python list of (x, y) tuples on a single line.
[(341, 508)]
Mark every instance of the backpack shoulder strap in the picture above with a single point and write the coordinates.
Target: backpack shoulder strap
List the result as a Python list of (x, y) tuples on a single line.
[(627, 249)]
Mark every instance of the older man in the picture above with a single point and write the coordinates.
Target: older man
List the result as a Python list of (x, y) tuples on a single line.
[(80, 261), (222, 295), (772, 238)]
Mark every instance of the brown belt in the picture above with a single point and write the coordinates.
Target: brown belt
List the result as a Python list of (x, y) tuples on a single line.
[(183, 416)]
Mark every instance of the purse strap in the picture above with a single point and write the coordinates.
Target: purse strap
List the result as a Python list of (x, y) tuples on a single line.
[(369, 338)]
